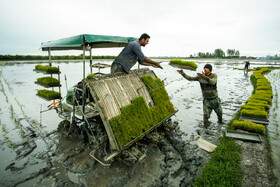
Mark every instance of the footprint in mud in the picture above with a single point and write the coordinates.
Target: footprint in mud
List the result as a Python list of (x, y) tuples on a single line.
[(19, 83), (232, 94), (187, 107), (203, 132), (187, 103), (198, 107), (179, 90), (187, 100), (176, 80)]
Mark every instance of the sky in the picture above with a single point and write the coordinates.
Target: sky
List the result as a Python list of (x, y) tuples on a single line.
[(176, 27)]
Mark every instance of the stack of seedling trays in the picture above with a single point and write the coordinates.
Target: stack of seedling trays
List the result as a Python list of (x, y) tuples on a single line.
[(48, 82), (253, 115), (183, 64), (257, 107)]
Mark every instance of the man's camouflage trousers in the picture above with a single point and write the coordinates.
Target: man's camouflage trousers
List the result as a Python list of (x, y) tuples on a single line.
[(212, 104)]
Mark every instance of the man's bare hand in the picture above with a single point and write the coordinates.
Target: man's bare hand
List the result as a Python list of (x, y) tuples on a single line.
[(149, 62), (180, 71), (157, 65), (201, 75)]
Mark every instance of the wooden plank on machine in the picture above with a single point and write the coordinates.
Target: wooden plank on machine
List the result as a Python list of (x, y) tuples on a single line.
[(109, 105), (141, 89), (117, 92), (128, 87)]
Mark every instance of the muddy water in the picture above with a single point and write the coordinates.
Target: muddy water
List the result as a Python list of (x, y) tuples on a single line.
[(32, 152)]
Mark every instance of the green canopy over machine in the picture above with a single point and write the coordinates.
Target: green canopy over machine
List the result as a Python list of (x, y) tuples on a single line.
[(85, 42), (89, 41)]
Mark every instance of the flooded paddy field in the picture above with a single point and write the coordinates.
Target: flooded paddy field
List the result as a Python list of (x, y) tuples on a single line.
[(34, 153)]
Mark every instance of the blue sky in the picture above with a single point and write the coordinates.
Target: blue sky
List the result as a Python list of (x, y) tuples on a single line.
[(176, 27)]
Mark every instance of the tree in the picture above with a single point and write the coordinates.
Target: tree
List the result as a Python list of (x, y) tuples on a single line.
[(201, 55), (230, 52), (219, 53), (209, 55), (237, 54)]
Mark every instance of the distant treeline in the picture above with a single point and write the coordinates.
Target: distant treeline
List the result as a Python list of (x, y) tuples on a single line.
[(269, 57), (219, 53), (38, 57)]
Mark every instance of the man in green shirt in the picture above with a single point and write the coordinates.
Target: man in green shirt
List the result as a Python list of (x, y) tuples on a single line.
[(208, 84)]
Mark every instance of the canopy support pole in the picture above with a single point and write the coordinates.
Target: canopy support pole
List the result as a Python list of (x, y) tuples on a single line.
[(50, 64), (84, 75), (50, 59), (59, 89), (90, 61), (84, 61)]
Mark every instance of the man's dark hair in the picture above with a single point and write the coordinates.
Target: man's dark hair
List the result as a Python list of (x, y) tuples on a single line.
[(145, 36), (208, 66)]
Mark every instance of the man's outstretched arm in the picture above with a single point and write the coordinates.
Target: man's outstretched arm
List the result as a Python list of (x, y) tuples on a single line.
[(187, 77), (149, 62)]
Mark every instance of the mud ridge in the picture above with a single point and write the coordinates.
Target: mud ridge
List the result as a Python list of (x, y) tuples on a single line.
[(256, 164)]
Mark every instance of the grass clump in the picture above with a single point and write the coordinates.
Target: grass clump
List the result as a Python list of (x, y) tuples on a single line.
[(49, 81), (48, 69), (137, 117), (249, 126), (49, 94), (184, 63), (224, 167)]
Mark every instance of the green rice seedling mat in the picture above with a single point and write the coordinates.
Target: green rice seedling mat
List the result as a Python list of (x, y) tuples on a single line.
[(48, 95), (48, 82), (249, 126), (47, 69), (183, 64)]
